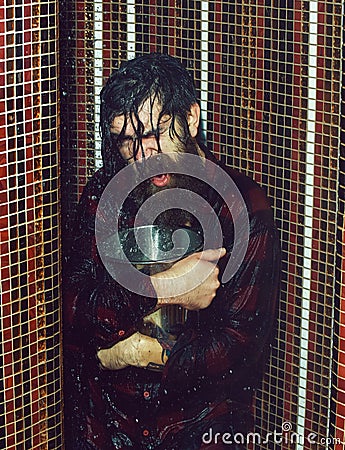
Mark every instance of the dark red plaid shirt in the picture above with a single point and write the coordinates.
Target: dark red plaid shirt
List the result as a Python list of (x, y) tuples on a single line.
[(215, 366)]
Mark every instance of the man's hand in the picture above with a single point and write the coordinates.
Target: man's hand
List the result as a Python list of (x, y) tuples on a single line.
[(191, 282), (138, 350)]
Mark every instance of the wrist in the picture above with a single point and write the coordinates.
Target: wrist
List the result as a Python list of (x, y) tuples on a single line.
[(151, 352), (162, 286)]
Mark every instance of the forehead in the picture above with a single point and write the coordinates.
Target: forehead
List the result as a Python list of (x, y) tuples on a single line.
[(148, 114)]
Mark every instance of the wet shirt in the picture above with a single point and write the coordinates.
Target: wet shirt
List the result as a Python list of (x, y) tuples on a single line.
[(215, 365)]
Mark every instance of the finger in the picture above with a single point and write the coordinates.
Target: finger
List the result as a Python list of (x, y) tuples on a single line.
[(212, 254)]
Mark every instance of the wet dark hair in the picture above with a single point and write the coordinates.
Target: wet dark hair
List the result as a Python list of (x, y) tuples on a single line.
[(155, 76)]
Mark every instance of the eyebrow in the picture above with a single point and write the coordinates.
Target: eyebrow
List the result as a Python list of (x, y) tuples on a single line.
[(125, 137)]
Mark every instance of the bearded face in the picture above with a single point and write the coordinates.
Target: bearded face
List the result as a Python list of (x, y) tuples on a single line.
[(149, 134)]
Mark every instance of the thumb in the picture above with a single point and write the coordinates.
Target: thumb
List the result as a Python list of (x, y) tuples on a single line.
[(212, 254)]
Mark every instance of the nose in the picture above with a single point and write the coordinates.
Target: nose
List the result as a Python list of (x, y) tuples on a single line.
[(147, 148)]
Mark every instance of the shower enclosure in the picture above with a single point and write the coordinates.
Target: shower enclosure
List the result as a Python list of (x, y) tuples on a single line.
[(271, 80)]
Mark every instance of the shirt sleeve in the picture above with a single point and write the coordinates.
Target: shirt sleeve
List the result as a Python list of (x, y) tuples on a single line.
[(229, 338), (98, 311)]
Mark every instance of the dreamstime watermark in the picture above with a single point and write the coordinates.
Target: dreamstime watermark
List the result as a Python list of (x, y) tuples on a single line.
[(285, 435), (123, 183)]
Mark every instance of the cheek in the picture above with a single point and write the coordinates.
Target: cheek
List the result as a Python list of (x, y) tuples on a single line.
[(126, 153), (169, 145)]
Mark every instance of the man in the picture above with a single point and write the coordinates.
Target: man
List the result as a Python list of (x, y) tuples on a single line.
[(203, 396)]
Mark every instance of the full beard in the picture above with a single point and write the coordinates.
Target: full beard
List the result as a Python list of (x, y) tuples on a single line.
[(172, 217)]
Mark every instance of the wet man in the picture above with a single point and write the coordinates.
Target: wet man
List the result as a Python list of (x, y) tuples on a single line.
[(211, 370)]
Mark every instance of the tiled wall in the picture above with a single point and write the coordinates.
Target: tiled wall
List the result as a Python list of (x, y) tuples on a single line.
[(30, 330)]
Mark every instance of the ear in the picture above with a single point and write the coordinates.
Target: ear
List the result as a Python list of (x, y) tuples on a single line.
[(193, 119)]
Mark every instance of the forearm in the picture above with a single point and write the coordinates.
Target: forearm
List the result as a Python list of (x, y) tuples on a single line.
[(191, 282)]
